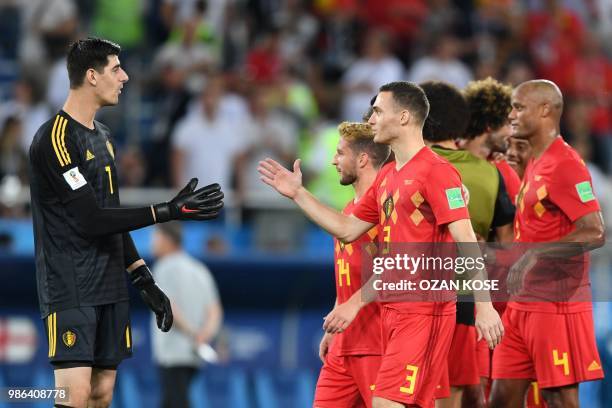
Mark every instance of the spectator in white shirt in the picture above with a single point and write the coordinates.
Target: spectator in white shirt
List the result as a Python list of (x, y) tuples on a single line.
[(376, 67), (442, 64), (205, 144)]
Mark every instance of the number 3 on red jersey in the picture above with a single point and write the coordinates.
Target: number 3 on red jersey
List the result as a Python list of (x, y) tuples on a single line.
[(410, 379), (386, 239)]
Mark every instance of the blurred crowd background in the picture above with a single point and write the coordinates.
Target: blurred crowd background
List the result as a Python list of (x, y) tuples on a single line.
[(216, 85)]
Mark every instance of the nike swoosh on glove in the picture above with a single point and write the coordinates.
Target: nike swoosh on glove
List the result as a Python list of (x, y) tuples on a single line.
[(191, 204)]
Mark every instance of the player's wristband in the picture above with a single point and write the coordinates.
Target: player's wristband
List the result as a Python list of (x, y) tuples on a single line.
[(141, 277), (164, 212)]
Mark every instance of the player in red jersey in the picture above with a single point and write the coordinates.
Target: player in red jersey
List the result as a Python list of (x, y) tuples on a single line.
[(351, 359), (551, 341), (518, 154), (488, 132), (490, 104), (487, 136), (415, 198), (491, 214)]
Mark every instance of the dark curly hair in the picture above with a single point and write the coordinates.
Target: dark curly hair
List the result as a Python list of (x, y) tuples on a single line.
[(489, 102), (448, 112)]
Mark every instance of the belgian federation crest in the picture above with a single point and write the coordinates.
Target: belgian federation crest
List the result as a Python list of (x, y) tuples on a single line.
[(109, 146), (388, 206), (69, 338)]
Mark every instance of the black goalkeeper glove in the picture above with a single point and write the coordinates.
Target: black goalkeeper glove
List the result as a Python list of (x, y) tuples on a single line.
[(153, 296), (202, 204)]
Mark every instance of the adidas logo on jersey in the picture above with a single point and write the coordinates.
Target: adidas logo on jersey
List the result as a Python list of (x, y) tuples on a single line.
[(594, 366), (89, 155)]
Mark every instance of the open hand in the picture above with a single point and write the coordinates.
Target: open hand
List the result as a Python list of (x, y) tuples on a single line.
[(284, 181)]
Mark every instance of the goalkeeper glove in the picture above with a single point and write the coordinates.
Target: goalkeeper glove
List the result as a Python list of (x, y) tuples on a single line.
[(153, 296), (201, 204)]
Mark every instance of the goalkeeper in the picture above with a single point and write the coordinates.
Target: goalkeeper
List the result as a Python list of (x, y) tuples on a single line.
[(82, 243)]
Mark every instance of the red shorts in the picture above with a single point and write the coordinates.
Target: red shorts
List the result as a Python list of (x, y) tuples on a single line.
[(346, 382), (462, 359), (443, 387), (554, 349), (416, 351)]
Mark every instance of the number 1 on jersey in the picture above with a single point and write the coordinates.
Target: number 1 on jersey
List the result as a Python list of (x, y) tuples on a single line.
[(110, 178)]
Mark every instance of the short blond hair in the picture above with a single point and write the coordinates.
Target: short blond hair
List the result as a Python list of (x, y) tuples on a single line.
[(353, 131), (360, 138)]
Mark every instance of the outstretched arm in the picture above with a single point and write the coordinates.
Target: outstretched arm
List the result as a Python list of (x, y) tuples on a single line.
[(64, 174), (201, 204), (289, 183)]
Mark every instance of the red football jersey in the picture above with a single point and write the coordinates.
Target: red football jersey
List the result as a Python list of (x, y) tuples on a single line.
[(362, 337), (556, 191), (414, 205), (511, 179)]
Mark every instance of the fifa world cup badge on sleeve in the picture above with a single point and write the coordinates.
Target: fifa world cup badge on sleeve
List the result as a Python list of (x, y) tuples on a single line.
[(74, 178), (455, 198), (585, 191)]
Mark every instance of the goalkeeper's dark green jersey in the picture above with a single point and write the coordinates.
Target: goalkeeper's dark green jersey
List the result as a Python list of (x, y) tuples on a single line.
[(489, 204)]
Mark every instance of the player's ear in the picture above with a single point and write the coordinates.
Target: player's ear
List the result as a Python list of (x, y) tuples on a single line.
[(545, 109), (363, 160), (91, 77), (405, 117)]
